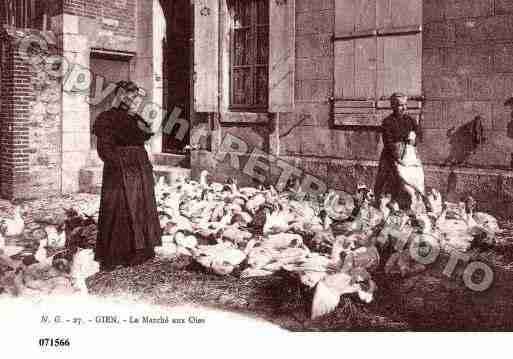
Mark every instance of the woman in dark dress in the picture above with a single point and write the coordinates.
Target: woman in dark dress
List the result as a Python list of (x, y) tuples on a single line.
[(128, 224), (400, 171)]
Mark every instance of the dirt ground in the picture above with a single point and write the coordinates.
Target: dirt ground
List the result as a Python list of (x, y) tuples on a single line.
[(428, 301)]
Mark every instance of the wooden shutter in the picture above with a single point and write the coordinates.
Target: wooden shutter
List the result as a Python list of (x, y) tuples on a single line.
[(281, 55), (206, 55), (378, 51)]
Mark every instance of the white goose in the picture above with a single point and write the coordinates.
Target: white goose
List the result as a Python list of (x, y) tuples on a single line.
[(482, 220), (8, 250), (329, 290), (278, 221), (14, 226), (56, 237), (456, 232), (41, 254)]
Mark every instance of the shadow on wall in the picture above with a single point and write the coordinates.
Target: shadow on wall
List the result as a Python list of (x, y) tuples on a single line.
[(464, 141)]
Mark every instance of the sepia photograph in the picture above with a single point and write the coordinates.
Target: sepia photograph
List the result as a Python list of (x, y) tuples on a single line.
[(298, 166)]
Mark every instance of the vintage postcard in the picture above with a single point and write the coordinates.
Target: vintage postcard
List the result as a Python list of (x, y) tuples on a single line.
[(212, 169)]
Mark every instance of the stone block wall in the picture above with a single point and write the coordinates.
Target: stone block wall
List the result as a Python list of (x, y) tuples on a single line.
[(106, 25), (80, 28), (467, 71), (306, 131), (45, 126)]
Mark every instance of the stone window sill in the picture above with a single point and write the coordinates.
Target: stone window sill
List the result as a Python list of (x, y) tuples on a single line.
[(236, 117)]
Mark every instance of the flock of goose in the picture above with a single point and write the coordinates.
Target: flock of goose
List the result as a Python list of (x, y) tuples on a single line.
[(54, 269), (331, 243)]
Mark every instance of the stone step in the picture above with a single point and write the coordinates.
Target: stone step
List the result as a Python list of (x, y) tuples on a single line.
[(170, 159), (172, 173), (90, 178)]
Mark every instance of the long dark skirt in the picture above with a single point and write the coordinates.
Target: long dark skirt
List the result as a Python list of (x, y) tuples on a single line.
[(128, 224), (388, 181)]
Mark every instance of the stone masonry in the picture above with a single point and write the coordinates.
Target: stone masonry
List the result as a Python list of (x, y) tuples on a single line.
[(31, 118), (467, 70)]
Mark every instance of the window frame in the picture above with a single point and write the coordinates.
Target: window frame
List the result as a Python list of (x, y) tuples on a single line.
[(254, 25), (353, 105)]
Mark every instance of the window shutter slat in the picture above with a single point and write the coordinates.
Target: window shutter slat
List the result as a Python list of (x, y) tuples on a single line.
[(281, 55), (206, 55), (378, 51)]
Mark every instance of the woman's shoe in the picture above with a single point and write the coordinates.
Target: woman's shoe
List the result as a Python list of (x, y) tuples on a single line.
[(138, 259)]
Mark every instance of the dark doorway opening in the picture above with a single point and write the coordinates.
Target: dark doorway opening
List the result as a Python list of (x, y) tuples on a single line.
[(107, 68), (177, 50)]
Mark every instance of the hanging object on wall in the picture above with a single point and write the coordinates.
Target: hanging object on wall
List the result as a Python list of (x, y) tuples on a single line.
[(477, 131)]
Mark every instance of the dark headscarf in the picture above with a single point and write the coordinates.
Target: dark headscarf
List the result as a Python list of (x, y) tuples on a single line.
[(128, 86)]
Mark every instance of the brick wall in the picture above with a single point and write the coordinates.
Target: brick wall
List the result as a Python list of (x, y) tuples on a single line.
[(468, 71), (16, 97), (118, 16), (52, 7), (6, 104), (30, 119)]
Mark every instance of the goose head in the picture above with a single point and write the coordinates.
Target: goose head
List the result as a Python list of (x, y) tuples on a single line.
[(362, 280), (384, 204), (204, 178), (339, 249), (18, 211), (434, 199), (470, 205), (292, 185), (361, 193), (83, 266), (42, 254), (342, 246), (424, 224), (325, 219), (232, 182)]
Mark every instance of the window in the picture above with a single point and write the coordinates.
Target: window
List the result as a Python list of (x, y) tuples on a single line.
[(19, 13), (249, 55)]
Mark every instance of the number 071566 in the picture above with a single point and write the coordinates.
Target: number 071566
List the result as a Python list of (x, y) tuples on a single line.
[(54, 342)]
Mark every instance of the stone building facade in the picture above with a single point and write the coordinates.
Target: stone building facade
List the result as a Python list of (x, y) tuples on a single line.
[(331, 66)]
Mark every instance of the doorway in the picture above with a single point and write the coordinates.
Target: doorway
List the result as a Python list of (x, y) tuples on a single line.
[(112, 68), (177, 50)]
